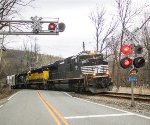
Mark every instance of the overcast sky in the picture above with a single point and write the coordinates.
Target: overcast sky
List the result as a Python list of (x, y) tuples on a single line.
[(79, 28)]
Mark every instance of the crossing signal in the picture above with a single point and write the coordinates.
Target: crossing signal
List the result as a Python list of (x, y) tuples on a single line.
[(52, 26), (139, 62), (138, 49), (61, 27), (126, 62), (126, 49)]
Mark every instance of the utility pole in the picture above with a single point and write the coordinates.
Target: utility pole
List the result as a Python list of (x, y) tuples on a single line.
[(83, 46), (1, 50)]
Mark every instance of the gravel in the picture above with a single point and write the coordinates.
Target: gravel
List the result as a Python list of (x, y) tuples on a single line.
[(140, 107)]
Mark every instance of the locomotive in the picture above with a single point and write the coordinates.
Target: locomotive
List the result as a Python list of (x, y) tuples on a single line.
[(86, 71)]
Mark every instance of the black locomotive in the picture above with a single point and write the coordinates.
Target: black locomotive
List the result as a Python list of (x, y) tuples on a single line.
[(87, 71)]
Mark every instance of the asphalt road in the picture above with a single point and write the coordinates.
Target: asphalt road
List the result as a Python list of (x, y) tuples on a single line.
[(39, 107)]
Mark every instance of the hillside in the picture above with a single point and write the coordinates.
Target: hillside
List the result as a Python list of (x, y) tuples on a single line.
[(15, 61)]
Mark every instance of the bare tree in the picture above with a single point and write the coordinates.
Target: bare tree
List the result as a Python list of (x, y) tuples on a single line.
[(113, 45), (9, 8), (31, 54), (101, 33), (146, 42)]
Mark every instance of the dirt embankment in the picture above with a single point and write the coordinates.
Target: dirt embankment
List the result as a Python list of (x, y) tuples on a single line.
[(6, 91)]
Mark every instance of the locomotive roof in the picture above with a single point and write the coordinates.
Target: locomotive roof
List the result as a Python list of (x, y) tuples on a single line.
[(89, 53)]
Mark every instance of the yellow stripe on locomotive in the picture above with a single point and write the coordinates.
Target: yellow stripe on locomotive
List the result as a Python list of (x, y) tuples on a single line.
[(44, 75)]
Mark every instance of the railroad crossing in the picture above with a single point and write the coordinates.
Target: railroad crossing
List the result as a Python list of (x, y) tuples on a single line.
[(32, 27)]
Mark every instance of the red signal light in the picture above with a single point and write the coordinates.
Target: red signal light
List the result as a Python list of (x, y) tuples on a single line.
[(52, 26), (126, 49), (125, 62)]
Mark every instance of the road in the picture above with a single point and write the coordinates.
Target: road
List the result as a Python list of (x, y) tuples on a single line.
[(40, 107)]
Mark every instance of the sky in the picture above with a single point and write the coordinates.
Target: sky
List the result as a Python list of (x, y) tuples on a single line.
[(75, 15)]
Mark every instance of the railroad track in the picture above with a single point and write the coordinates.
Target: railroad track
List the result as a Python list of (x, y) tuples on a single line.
[(137, 97)]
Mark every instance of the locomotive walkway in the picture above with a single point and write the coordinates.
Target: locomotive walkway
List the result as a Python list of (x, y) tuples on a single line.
[(39, 107)]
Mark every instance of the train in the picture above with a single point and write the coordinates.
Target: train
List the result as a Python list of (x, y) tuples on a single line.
[(85, 72)]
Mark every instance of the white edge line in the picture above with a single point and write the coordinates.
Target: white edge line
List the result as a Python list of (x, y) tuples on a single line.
[(1, 106), (97, 116), (67, 94), (12, 96), (109, 107)]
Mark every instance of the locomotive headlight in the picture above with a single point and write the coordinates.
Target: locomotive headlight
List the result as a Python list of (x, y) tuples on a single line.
[(92, 52), (107, 72), (94, 74)]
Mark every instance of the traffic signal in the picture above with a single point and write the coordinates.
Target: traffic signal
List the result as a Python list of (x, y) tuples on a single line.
[(52, 26), (125, 62)]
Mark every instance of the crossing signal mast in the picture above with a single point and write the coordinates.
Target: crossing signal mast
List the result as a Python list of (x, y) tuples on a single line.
[(36, 26), (133, 58), (136, 61), (133, 53), (126, 62)]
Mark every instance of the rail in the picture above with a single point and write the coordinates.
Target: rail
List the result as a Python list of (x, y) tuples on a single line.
[(137, 97)]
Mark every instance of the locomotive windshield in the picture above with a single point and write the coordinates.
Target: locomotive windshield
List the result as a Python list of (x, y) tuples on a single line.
[(92, 59), (89, 62), (96, 56)]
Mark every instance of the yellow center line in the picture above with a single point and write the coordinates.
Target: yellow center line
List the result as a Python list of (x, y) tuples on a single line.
[(53, 109), (49, 110)]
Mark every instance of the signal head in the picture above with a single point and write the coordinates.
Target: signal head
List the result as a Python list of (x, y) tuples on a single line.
[(61, 27), (139, 62), (52, 26), (138, 49), (126, 49), (125, 62)]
